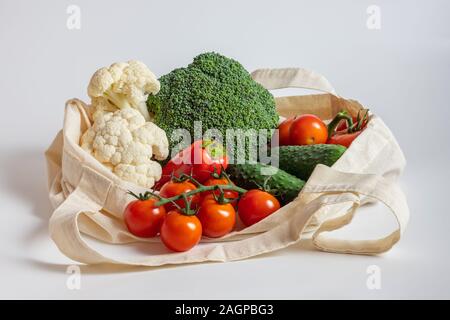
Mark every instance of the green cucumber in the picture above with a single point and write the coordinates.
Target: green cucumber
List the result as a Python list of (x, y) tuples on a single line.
[(300, 161), (281, 184)]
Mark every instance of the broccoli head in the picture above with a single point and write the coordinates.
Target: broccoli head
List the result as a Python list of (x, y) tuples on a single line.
[(216, 90)]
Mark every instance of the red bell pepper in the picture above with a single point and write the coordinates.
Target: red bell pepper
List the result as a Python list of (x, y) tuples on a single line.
[(200, 160), (344, 129)]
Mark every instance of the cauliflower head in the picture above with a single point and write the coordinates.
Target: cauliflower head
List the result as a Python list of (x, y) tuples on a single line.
[(122, 85), (123, 141)]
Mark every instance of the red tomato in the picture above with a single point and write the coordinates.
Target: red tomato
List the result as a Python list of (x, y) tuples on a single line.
[(200, 159), (228, 194), (308, 129), (283, 132), (180, 232), (343, 138), (143, 218), (255, 205), (217, 219), (173, 188)]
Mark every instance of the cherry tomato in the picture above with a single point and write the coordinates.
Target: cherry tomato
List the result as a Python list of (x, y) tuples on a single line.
[(343, 138), (255, 205), (180, 232), (283, 132), (308, 129), (228, 194), (217, 219), (143, 218), (174, 188)]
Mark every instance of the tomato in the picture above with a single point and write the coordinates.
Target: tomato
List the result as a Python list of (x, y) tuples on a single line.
[(343, 138), (283, 132), (308, 129), (180, 232), (143, 218), (201, 159), (228, 194), (174, 188), (217, 219), (255, 205)]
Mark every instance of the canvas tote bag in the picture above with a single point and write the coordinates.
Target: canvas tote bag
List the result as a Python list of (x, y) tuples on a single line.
[(89, 199)]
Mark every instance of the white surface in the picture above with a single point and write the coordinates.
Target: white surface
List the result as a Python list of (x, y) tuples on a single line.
[(401, 72)]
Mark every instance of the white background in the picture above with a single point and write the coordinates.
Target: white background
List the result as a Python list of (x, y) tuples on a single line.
[(402, 72)]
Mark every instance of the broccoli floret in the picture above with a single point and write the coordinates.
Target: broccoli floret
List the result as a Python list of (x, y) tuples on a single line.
[(215, 90)]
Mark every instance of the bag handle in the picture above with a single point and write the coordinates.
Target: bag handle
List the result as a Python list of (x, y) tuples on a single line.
[(328, 181), (292, 78), (63, 224)]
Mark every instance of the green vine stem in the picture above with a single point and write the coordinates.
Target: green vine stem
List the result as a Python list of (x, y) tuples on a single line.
[(341, 115), (351, 126), (186, 197), (200, 189)]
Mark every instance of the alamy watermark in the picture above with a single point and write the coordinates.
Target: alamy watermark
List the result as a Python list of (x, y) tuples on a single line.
[(373, 281), (73, 281), (242, 146), (73, 21), (374, 17)]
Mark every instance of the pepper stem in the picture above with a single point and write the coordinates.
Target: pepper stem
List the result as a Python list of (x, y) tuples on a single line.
[(341, 115)]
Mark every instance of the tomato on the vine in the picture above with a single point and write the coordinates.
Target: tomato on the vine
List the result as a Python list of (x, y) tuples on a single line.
[(308, 129), (180, 232), (217, 219), (228, 194), (255, 205), (143, 218), (175, 188)]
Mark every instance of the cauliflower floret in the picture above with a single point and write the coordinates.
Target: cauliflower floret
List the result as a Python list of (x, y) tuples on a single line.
[(122, 85), (144, 174), (125, 142)]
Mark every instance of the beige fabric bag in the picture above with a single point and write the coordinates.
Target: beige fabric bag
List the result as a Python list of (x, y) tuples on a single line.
[(89, 199)]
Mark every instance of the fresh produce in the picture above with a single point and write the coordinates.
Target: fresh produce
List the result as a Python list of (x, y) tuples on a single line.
[(256, 205), (300, 161), (120, 136), (283, 133), (126, 144), (215, 90), (307, 129), (232, 196), (200, 160), (177, 187), (186, 221), (283, 185), (344, 129), (217, 219), (123, 85), (142, 217), (343, 138), (180, 232)]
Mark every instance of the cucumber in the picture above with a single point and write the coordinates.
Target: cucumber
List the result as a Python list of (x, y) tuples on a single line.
[(284, 186), (300, 161)]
